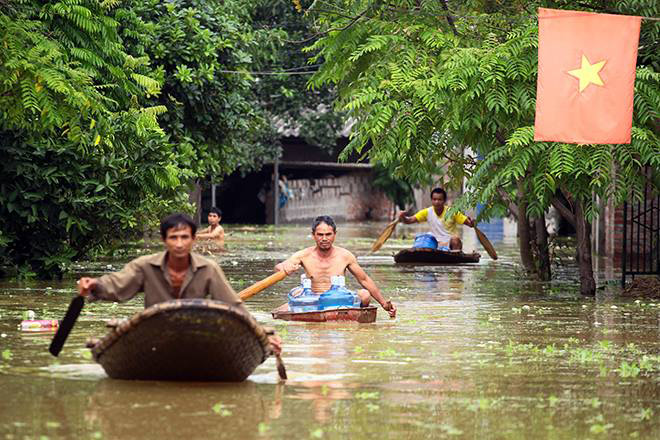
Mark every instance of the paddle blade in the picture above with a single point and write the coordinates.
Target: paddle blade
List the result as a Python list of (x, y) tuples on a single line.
[(486, 243), (66, 325), (387, 233), (281, 370)]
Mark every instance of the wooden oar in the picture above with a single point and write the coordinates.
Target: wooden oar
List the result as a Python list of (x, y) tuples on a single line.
[(387, 233), (256, 288), (66, 325), (485, 243), (261, 285)]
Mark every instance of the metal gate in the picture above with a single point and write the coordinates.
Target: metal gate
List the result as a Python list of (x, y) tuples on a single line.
[(641, 237)]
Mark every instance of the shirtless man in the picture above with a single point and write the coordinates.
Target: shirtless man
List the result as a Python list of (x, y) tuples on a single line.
[(214, 232), (326, 260)]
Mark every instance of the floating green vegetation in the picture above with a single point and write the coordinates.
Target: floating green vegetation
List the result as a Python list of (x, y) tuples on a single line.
[(627, 361), (388, 352), (221, 409), (263, 428), (450, 430), (316, 433), (598, 425)]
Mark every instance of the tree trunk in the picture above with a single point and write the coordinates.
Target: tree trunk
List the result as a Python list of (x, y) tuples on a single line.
[(542, 248), (195, 197), (583, 232), (524, 238)]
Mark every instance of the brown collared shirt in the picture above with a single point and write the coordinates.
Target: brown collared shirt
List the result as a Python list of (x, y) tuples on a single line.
[(149, 274)]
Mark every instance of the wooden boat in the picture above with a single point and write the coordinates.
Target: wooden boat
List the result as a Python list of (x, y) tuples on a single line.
[(433, 256), (188, 339), (363, 315)]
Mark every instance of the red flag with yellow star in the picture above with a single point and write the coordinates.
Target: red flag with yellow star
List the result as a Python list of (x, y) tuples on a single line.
[(584, 92)]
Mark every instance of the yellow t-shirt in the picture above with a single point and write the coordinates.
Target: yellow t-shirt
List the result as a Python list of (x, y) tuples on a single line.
[(448, 224)]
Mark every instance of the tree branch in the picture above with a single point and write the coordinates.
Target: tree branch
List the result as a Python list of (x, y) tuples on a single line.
[(563, 210), (450, 18), (320, 34), (513, 208)]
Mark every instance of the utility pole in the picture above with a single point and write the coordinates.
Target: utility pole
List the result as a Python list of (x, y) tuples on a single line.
[(276, 192)]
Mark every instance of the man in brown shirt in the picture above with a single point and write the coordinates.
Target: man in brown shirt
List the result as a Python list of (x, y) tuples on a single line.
[(173, 274)]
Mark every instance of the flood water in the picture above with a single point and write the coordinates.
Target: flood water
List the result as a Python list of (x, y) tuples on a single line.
[(475, 352)]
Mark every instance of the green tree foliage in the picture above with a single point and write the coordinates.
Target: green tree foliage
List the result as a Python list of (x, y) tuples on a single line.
[(82, 152), (426, 79), (213, 115), (286, 99)]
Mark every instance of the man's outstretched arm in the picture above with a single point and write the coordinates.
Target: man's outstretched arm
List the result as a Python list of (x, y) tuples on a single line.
[(407, 219), (366, 282)]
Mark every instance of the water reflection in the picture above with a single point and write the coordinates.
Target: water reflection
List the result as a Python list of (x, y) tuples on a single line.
[(477, 351)]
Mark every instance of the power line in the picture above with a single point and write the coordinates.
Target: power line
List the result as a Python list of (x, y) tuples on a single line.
[(281, 72)]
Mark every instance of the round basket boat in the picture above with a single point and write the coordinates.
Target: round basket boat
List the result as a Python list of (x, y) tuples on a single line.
[(188, 339)]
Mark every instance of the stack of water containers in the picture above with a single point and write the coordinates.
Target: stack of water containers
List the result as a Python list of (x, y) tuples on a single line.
[(338, 296), (303, 300), (425, 241)]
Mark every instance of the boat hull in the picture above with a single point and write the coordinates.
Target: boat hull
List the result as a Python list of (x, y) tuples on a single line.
[(183, 340), (434, 257), (363, 315)]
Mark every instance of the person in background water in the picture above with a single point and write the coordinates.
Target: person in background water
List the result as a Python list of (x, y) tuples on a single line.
[(444, 229), (214, 231), (323, 261), (173, 274)]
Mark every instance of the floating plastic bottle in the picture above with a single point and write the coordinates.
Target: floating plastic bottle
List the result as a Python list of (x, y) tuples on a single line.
[(338, 296), (39, 325), (302, 299)]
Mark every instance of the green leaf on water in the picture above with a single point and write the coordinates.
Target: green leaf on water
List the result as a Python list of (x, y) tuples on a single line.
[(552, 401), (366, 395), (324, 390), (358, 350), (97, 434), (598, 428), (263, 428), (387, 353), (317, 433), (221, 409), (86, 354), (53, 424), (645, 414), (6, 354), (450, 430), (372, 407)]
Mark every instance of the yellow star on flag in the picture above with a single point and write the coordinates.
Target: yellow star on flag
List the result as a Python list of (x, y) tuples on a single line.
[(588, 73)]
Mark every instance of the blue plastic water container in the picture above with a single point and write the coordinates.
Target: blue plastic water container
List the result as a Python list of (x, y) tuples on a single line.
[(303, 299), (425, 241), (337, 296)]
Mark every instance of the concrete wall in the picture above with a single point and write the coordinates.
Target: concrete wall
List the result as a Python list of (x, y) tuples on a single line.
[(350, 198)]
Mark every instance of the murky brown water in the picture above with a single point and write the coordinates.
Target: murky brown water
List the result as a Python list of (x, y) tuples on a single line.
[(476, 352)]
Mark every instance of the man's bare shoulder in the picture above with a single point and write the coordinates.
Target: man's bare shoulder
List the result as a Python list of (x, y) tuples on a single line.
[(345, 253), (305, 252), (302, 253)]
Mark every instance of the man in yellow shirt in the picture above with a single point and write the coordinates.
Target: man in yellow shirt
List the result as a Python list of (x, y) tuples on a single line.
[(443, 229)]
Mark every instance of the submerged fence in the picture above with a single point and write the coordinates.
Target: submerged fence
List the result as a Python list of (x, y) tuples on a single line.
[(641, 237)]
